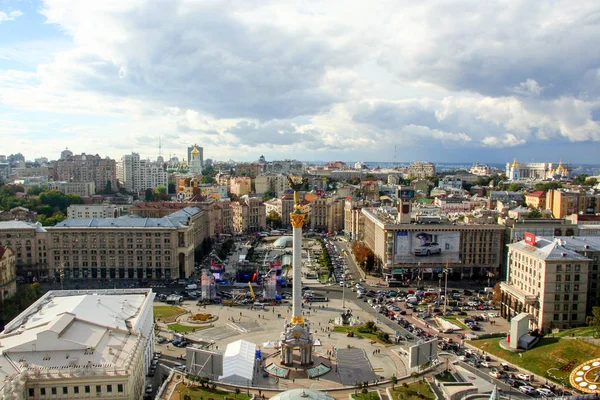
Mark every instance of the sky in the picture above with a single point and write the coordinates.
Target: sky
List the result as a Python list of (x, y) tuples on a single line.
[(442, 81)]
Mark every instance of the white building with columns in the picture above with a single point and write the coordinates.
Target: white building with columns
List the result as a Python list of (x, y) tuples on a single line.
[(77, 344)]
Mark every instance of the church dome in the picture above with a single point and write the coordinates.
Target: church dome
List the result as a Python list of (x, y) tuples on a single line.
[(515, 164), (195, 151)]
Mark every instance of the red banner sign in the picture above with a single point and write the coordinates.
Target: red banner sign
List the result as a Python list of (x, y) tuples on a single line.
[(530, 238)]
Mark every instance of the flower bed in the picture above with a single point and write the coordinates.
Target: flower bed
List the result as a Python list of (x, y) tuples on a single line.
[(201, 318)]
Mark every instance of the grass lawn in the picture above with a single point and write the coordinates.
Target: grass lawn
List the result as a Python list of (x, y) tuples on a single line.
[(549, 353), (366, 396), (168, 313), (181, 328), (197, 393), (582, 331), (455, 320), (368, 336), (411, 392)]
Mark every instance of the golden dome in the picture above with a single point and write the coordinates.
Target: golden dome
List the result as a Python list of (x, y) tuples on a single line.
[(560, 167), (515, 165), (195, 151)]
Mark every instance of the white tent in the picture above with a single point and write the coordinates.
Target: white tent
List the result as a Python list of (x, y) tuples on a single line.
[(269, 345), (238, 363)]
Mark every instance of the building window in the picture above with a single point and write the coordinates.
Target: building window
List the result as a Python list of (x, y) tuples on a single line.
[(555, 317), (568, 268), (573, 317), (65, 390), (53, 391), (42, 391), (565, 317), (577, 267), (574, 307), (576, 288), (98, 389), (576, 278), (565, 307), (109, 388), (558, 287), (567, 288), (559, 268), (31, 392), (76, 389), (557, 297), (558, 278), (566, 297), (87, 389), (557, 307), (120, 388), (575, 297)]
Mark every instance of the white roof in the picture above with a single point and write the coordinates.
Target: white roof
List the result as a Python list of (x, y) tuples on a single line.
[(238, 360), (65, 331)]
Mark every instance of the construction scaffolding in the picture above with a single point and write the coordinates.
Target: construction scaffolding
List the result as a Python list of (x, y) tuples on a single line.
[(208, 286)]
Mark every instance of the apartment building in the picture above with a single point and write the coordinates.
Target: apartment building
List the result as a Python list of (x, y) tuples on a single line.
[(405, 251), (94, 211), (8, 273), (83, 189), (249, 215), (291, 167), (79, 345), (536, 199), (563, 202), (282, 206), (28, 241), (224, 217), (546, 280), (129, 247), (277, 184), (87, 168), (240, 186), (137, 175), (420, 169), (18, 214), (248, 169)]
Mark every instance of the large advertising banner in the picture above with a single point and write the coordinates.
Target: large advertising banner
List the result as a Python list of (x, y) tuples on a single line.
[(427, 247)]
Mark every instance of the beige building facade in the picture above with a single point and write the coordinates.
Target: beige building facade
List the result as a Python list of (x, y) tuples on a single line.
[(28, 241), (547, 281), (420, 169), (87, 168), (249, 215), (127, 248), (8, 273)]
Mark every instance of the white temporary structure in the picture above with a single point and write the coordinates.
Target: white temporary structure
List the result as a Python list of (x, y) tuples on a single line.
[(238, 363)]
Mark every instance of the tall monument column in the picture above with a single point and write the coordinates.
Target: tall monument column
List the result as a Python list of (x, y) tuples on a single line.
[(297, 218), (297, 333)]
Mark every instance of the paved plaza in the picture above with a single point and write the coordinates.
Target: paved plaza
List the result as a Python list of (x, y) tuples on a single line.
[(357, 358)]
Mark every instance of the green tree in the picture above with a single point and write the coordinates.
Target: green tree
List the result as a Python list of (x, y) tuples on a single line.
[(160, 193), (34, 190), (108, 187), (171, 187), (207, 180), (580, 179), (513, 187), (534, 213), (273, 220), (594, 320), (268, 195), (591, 182), (394, 381), (149, 196)]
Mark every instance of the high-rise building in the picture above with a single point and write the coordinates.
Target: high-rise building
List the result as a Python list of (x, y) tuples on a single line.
[(79, 344), (87, 168), (137, 175)]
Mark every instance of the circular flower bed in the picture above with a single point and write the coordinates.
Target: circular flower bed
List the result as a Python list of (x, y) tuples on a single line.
[(199, 318)]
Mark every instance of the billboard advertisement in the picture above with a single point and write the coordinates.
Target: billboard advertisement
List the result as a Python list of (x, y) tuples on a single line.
[(422, 353), (427, 247)]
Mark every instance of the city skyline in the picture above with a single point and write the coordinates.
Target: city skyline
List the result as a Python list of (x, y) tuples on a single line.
[(435, 81)]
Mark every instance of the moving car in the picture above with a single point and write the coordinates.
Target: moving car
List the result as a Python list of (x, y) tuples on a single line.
[(527, 389), (524, 377), (545, 392)]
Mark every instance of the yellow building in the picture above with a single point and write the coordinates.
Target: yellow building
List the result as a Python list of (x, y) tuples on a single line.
[(8, 273), (564, 202), (249, 215), (240, 186)]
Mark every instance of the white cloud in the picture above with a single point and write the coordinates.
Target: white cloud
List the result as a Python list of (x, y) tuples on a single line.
[(10, 16), (309, 78)]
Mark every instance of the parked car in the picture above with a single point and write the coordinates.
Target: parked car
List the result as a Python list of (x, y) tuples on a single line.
[(485, 364), (495, 373), (161, 339)]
